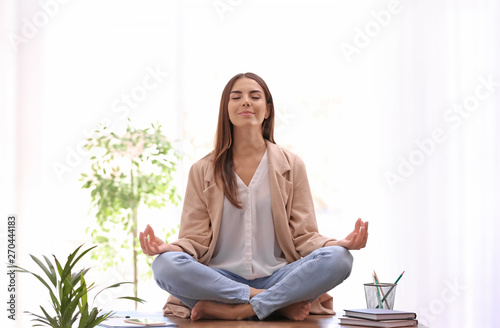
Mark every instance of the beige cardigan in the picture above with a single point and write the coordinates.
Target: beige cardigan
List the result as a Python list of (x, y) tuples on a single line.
[(293, 215)]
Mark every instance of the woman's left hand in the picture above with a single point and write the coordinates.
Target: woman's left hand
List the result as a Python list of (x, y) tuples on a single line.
[(356, 239)]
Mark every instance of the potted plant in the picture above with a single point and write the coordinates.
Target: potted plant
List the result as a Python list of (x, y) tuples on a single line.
[(68, 292), (126, 171)]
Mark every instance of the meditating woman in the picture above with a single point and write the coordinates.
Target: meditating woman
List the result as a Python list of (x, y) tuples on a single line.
[(248, 240)]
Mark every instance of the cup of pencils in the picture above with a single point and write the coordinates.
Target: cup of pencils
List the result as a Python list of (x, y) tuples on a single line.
[(381, 295)]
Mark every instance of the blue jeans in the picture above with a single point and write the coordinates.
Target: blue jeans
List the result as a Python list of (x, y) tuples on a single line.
[(303, 280)]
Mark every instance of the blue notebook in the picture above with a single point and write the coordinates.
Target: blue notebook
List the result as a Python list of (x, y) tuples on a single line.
[(380, 314)]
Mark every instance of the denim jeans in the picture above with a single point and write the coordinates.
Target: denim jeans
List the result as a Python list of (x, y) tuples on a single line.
[(303, 280)]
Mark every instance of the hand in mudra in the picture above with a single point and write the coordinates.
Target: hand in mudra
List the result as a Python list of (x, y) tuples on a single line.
[(151, 244), (356, 239)]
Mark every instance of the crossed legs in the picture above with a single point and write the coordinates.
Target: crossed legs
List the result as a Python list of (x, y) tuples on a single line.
[(219, 294), (216, 310)]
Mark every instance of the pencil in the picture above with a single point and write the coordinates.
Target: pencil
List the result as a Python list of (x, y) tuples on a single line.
[(375, 280), (399, 277), (390, 289), (381, 290)]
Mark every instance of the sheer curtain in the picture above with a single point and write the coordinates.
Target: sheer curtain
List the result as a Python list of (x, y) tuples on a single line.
[(392, 105), (446, 211)]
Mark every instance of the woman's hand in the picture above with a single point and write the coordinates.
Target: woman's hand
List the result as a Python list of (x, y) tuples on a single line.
[(152, 245), (356, 239)]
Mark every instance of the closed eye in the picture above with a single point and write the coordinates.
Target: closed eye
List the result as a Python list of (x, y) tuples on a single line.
[(256, 94)]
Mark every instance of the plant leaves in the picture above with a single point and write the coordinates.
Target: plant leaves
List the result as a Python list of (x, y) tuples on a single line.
[(52, 270), (52, 321), (132, 298), (72, 291), (141, 164), (47, 272), (112, 286)]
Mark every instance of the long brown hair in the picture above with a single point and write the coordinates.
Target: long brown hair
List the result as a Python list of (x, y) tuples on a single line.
[(223, 155)]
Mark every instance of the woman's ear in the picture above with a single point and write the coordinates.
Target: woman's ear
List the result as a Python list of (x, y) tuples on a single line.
[(268, 112)]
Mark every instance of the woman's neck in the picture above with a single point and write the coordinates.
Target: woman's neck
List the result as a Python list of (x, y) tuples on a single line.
[(246, 142)]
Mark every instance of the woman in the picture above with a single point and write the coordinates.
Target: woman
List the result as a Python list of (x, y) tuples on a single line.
[(248, 241)]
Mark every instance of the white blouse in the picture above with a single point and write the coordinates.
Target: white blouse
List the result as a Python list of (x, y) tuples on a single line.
[(247, 244)]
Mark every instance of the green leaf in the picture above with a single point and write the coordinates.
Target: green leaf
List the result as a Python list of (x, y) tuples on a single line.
[(91, 321), (52, 270), (112, 286), (69, 264), (38, 277), (51, 320), (101, 239), (132, 298), (84, 316), (75, 277), (49, 274), (83, 300)]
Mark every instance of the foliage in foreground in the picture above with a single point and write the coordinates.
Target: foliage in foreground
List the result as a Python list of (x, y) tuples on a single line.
[(68, 292)]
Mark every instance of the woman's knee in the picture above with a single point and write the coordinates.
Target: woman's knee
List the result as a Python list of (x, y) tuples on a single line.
[(339, 260), (168, 266)]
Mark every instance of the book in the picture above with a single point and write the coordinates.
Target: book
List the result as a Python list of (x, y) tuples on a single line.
[(359, 323), (380, 314), (353, 326), (146, 322), (356, 326), (132, 323)]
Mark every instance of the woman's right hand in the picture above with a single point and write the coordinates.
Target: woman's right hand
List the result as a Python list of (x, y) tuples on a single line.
[(153, 245)]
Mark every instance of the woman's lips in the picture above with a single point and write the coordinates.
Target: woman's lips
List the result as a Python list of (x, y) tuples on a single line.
[(246, 113)]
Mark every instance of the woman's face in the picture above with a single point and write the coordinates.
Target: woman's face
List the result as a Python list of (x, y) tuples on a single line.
[(247, 105)]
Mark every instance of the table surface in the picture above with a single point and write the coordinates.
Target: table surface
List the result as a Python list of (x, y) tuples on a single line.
[(320, 321)]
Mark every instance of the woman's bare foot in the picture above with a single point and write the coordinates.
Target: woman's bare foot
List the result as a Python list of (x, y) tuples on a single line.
[(214, 310), (297, 311), (254, 291)]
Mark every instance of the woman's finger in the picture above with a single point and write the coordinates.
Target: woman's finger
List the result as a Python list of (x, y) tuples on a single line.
[(363, 239), (366, 234), (151, 232), (141, 240), (145, 249), (366, 240), (147, 231), (148, 246), (359, 224), (154, 248), (358, 244)]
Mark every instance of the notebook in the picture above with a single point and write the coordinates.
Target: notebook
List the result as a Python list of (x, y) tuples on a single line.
[(380, 314)]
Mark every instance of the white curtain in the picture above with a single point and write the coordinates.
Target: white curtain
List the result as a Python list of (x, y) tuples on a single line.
[(393, 105)]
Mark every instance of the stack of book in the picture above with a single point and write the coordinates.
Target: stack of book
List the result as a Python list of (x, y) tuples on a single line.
[(378, 318)]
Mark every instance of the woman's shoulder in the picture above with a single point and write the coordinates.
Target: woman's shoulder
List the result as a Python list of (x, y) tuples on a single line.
[(282, 156), (203, 166), (204, 161)]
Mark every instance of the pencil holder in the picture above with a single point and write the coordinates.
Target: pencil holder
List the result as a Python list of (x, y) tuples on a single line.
[(380, 295)]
